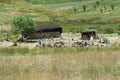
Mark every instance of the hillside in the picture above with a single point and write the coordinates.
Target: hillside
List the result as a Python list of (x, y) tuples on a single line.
[(85, 60), (102, 15)]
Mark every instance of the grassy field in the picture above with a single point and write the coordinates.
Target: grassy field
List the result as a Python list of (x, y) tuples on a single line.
[(60, 64), (48, 51), (18, 63)]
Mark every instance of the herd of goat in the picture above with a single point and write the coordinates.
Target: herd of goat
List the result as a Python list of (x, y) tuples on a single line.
[(71, 42)]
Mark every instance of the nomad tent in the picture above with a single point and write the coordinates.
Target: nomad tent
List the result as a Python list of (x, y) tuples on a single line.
[(85, 35), (43, 32)]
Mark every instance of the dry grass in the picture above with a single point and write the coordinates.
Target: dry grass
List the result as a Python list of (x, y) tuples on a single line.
[(97, 65)]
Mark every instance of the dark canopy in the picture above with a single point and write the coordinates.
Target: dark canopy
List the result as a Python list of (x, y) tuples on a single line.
[(88, 33), (91, 32), (48, 29)]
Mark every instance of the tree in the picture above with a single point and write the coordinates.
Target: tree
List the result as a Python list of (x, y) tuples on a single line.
[(75, 10), (94, 5), (84, 8), (97, 3), (101, 10), (112, 7), (23, 25)]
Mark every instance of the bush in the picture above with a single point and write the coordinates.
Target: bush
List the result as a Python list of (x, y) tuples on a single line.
[(23, 25), (15, 44), (84, 8), (112, 7), (97, 3)]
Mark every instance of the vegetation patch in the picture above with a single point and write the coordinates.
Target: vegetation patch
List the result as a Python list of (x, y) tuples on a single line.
[(50, 1)]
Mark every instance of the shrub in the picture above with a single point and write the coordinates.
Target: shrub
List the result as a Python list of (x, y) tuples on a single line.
[(15, 44), (84, 8), (23, 25), (95, 6), (97, 3), (112, 7)]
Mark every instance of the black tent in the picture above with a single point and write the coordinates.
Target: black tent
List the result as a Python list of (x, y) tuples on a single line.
[(85, 35), (43, 32), (42, 29)]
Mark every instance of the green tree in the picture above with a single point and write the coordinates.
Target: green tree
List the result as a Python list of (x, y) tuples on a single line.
[(112, 7), (23, 25), (75, 10), (95, 6), (84, 8), (101, 10), (97, 3)]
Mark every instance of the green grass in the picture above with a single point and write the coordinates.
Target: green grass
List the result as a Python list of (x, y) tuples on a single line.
[(43, 14), (3, 33), (1, 37), (50, 1), (67, 4), (50, 51), (101, 28)]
